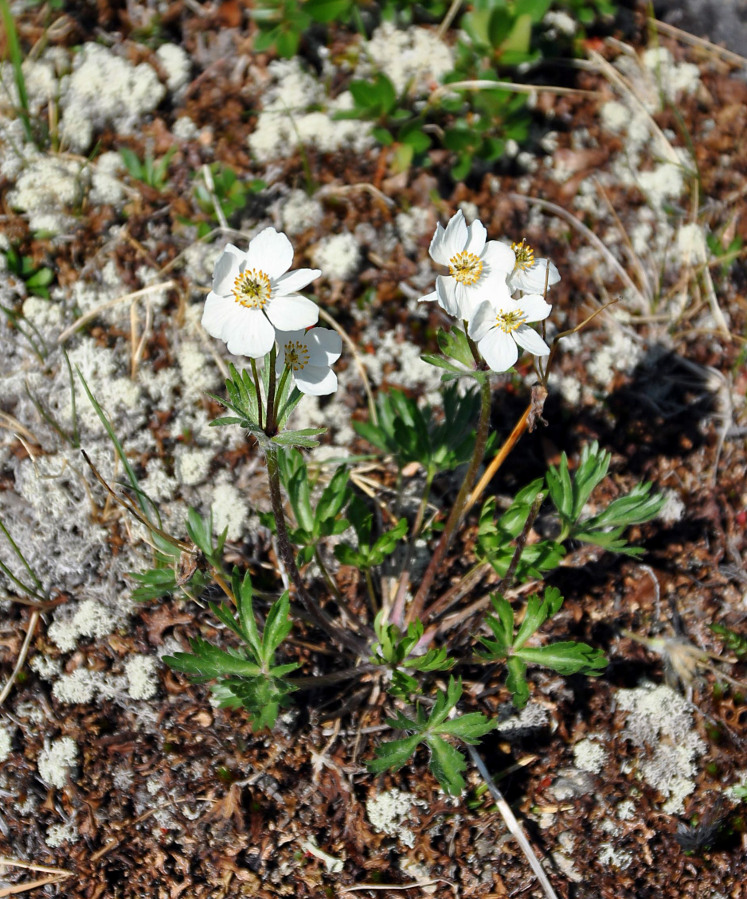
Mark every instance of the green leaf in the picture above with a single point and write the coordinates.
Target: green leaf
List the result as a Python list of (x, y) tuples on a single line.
[(206, 661), (537, 612), (392, 756), (516, 681), (334, 496), (243, 591), (470, 727), (302, 438), (447, 765), (277, 627), (734, 642), (454, 344), (566, 658), (154, 583)]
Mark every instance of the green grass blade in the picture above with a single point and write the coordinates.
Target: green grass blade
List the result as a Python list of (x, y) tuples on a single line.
[(16, 60), (146, 507)]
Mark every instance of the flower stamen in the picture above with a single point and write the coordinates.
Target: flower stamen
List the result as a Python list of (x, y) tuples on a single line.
[(252, 289), (510, 321), (466, 268), (524, 255), (297, 355)]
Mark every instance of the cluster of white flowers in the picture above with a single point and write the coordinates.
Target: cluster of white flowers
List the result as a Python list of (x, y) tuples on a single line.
[(495, 289), (254, 305)]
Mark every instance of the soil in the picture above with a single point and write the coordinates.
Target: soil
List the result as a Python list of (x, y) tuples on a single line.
[(170, 796)]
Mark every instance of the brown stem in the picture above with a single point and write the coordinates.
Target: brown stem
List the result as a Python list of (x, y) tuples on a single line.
[(458, 509)]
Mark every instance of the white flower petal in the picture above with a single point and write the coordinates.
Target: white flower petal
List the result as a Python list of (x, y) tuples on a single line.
[(296, 280), (477, 234), (533, 280), (217, 314), (446, 290), (498, 349), (292, 313), (482, 321), (534, 307), (497, 257), (271, 252), (436, 249), (429, 297), (455, 236), (531, 341), (226, 269), (253, 336), (494, 290), (316, 380), (324, 344)]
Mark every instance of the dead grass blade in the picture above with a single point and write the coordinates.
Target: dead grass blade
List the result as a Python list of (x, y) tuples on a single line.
[(21, 656), (55, 876), (513, 825)]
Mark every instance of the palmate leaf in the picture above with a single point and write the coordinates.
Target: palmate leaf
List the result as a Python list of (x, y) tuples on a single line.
[(446, 761)]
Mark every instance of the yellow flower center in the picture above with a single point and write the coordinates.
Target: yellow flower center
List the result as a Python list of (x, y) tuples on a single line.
[(296, 355), (510, 321), (466, 268), (252, 289), (524, 255)]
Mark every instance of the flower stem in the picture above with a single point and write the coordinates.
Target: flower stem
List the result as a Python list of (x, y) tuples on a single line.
[(258, 388), (320, 618), (270, 427), (455, 516)]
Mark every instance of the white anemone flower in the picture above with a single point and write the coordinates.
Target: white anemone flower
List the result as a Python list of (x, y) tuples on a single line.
[(500, 328), (531, 275), (309, 355), (478, 268), (254, 295)]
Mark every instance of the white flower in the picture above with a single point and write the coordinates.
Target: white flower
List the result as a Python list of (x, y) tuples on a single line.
[(530, 274), (499, 326), (252, 295), (477, 269), (308, 355)]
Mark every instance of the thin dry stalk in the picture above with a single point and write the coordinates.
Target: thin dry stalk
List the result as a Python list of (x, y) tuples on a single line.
[(137, 347), (325, 316), (599, 63), (398, 886), (210, 184), (513, 825), (21, 656), (701, 42), (127, 297), (12, 424), (477, 84), (55, 875), (591, 237)]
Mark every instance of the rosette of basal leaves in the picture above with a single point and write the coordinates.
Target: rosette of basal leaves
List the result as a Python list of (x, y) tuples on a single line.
[(250, 411), (411, 434), (434, 729), (496, 538), (315, 519), (567, 657), (394, 650), (570, 494), (248, 676), (371, 551)]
